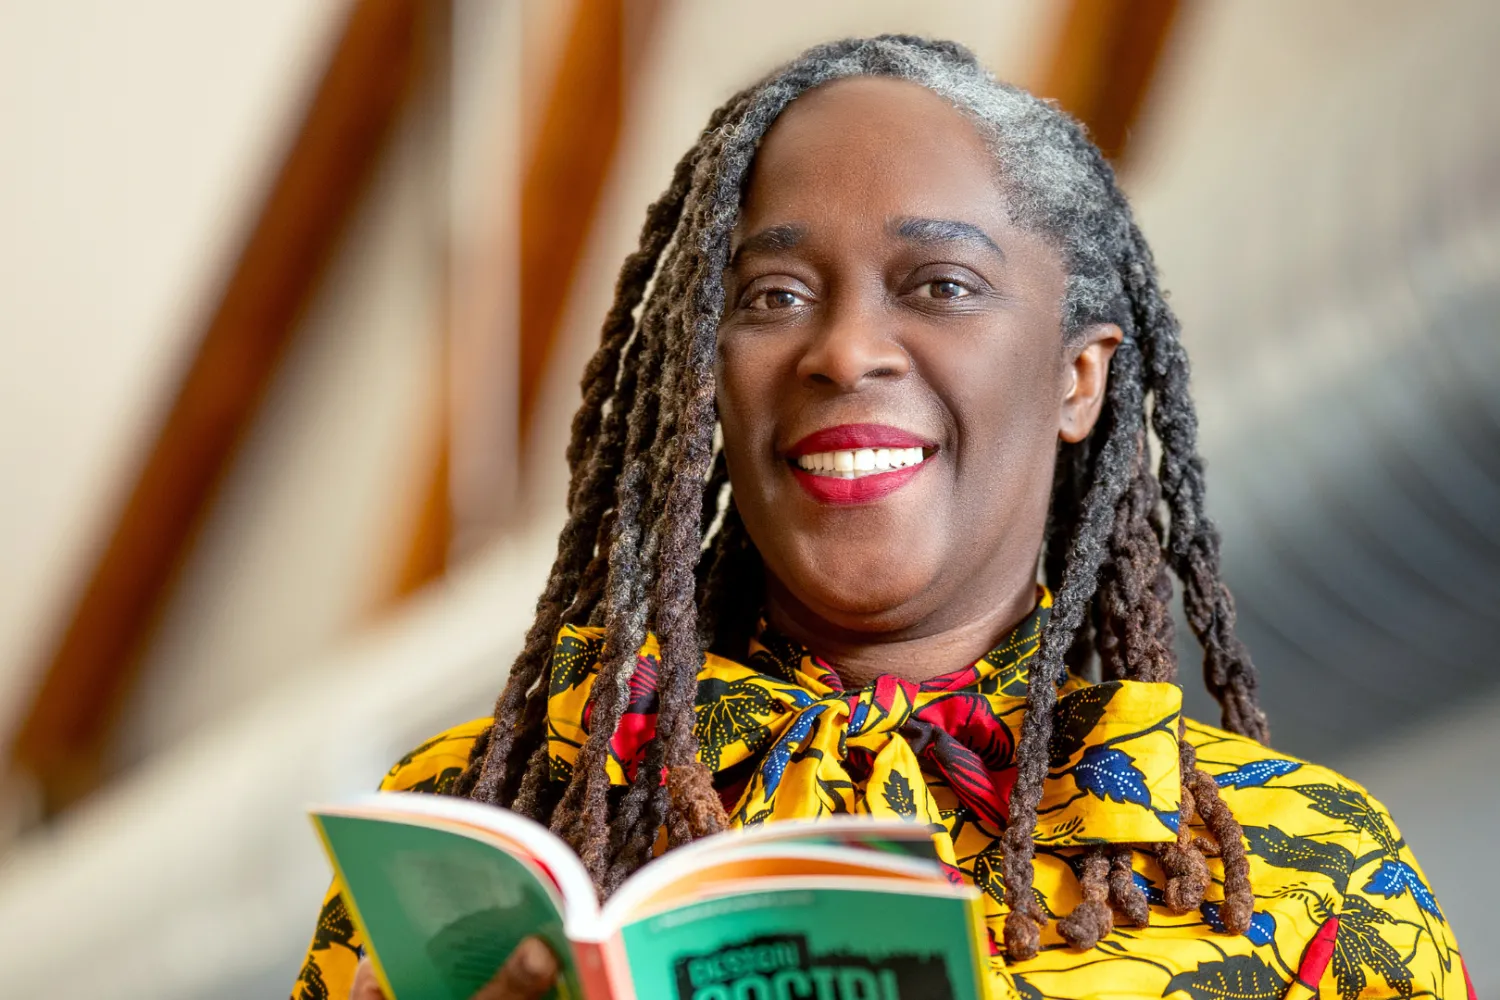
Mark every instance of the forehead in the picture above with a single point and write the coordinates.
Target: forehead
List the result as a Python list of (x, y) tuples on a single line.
[(876, 147)]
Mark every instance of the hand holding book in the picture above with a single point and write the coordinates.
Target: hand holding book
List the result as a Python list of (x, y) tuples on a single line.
[(447, 892), (528, 974)]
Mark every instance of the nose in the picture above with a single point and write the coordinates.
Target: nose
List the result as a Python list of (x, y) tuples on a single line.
[(850, 349)]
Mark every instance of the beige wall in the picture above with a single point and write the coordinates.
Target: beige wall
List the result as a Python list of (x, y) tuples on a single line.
[(305, 538), (1318, 183), (144, 143), (134, 139)]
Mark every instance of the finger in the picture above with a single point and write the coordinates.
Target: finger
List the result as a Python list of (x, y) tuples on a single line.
[(366, 985), (526, 975)]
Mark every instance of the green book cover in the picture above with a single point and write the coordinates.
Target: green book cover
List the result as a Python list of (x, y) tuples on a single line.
[(443, 910), (841, 909), (812, 943)]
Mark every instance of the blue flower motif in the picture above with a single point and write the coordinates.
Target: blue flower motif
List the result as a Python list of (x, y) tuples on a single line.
[(1262, 929), (857, 717), (1110, 774), (781, 753), (800, 698), (1257, 772), (1170, 819), (1395, 878)]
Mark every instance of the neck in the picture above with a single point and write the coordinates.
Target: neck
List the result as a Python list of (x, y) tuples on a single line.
[(917, 652)]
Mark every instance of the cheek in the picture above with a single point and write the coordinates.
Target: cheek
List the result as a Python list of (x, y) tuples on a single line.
[(1007, 407), (745, 398)]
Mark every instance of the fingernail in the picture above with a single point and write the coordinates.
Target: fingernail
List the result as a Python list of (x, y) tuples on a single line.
[(534, 958)]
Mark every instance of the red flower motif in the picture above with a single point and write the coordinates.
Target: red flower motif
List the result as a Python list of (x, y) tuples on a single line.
[(953, 680), (643, 686), (824, 673), (887, 687), (629, 743), (960, 737), (637, 722), (1319, 952)]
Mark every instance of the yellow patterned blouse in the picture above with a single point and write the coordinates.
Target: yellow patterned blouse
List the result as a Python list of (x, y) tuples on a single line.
[(1342, 910)]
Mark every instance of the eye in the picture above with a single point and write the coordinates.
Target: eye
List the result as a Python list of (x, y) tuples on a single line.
[(944, 289), (774, 298)]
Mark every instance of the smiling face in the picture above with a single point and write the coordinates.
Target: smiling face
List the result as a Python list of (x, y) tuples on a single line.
[(893, 377)]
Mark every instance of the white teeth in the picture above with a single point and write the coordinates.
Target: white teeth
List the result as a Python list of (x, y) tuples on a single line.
[(861, 462)]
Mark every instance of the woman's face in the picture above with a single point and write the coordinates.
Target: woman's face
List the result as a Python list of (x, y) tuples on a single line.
[(884, 313)]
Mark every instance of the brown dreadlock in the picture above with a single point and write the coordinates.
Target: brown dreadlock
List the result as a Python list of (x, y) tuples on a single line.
[(653, 540)]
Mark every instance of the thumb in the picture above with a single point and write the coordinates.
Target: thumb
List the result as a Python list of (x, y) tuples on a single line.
[(526, 975), (366, 986)]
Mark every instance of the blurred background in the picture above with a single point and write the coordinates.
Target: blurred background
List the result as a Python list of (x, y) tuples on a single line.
[(293, 302)]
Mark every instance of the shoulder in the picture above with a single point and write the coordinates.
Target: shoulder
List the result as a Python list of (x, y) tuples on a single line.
[(1298, 817), (1325, 854), (435, 764), (1262, 784), (1238, 763)]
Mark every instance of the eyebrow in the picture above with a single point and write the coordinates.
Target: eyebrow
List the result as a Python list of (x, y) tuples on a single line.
[(774, 239), (933, 231)]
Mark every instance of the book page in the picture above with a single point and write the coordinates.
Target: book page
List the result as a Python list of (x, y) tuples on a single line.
[(895, 848), (507, 830), (661, 887)]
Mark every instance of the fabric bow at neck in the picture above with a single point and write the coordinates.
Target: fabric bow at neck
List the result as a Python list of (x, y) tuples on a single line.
[(786, 740)]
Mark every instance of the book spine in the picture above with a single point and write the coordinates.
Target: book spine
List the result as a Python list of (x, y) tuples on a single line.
[(981, 946), (602, 970)]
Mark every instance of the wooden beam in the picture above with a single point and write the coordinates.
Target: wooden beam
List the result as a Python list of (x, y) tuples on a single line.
[(90, 669), (424, 548), (426, 557), (566, 170), (1103, 64)]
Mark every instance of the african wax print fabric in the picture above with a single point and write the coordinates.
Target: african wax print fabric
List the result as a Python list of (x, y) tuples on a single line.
[(1342, 909)]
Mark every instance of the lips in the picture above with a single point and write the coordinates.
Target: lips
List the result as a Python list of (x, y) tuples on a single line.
[(850, 483), (851, 437)]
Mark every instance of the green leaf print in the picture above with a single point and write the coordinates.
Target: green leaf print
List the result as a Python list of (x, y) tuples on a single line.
[(573, 659), (1353, 809), (1360, 946), (1305, 854), (1074, 718), (726, 712), (1241, 977), (898, 795)]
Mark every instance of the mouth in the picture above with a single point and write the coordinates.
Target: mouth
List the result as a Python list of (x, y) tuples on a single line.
[(857, 463)]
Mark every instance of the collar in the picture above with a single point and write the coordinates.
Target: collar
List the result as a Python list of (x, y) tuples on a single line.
[(787, 740)]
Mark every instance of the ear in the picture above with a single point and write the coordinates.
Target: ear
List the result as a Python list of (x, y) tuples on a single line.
[(1087, 356)]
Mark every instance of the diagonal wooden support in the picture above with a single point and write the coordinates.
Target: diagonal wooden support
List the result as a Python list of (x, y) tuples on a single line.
[(564, 164), (85, 678), (566, 170), (1105, 58)]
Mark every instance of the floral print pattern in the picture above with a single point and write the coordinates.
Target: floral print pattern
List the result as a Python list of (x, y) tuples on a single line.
[(1343, 910)]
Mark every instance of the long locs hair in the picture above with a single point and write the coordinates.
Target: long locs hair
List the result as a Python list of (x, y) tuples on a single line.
[(653, 541)]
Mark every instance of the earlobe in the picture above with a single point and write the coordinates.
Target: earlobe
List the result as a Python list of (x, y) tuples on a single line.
[(1087, 379)]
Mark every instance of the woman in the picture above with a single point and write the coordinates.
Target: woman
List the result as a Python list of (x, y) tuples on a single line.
[(915, 305)]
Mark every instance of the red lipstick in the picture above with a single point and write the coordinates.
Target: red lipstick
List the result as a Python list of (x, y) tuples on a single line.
[(853, 437)]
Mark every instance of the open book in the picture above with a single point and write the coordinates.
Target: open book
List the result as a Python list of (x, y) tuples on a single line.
[(839, 909)]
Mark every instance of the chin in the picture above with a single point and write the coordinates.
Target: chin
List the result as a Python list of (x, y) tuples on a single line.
[(876, 602)]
